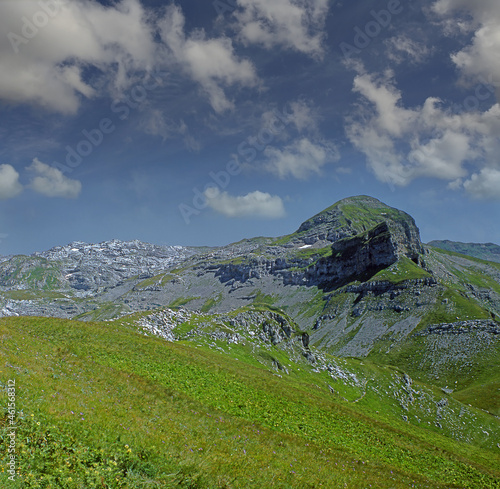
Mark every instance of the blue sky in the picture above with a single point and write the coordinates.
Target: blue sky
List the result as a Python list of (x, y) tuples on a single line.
[(201, 123)]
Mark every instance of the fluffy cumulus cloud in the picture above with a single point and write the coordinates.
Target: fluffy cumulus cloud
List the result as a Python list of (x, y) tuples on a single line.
[(51, 182), (293, 24), (402, 144), (300, 159), (210, 62), (481, 58), (58, 52), (9, 182), (48, 44), (485, 184), (254, 204)]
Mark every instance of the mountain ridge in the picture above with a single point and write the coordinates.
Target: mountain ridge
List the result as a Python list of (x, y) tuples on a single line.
[(484, 251)]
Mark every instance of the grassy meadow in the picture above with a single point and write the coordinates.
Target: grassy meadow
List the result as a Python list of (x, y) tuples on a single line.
[(100, 405)]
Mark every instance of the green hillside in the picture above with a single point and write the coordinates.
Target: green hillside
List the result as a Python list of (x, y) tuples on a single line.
[(100, 405)]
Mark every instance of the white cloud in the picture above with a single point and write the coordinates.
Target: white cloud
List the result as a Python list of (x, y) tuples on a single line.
[(254, 204), (44, 53), (9, 182), (52, 183), (484, 185), (402, 48), (391, 116), (482, 10), (48, 65), (480, 60), (300, 159), (300, 116), (402, 144), (443, 156), (292, 24), (210, 62)]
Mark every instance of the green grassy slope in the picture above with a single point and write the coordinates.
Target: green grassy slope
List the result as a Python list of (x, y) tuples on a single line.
[(100, 405), (469, 366), (403, 269)]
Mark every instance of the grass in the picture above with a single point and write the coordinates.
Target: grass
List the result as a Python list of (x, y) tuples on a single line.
[(238, 260), (467, 257), (181, 301), (477, 277), (26, 295), (403, 269), (310, 253), (314, 307), (161, 280), (484, 392), (453, 306), (470, 368), (356, 212), (263, 299), (211, 302), (34, 272), (365, 217), (103, 406), (283, 240), (103, 311), (488, 251)]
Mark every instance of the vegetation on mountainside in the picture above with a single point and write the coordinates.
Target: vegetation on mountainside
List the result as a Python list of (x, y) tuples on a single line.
[(403, 269), (100, 405), (35, 273)]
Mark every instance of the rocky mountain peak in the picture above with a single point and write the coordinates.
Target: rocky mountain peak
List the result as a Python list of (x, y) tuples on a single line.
[(353, 216)]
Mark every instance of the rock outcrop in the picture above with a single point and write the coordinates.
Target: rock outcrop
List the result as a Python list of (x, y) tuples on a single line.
[(462, 327), (357, 257)]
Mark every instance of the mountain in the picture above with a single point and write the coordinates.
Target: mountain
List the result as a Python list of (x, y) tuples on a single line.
[(58, 281), (346, 342), (357, 264), (485, 251)]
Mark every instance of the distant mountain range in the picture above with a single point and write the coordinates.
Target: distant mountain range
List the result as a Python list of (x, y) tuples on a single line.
[(485, 251)]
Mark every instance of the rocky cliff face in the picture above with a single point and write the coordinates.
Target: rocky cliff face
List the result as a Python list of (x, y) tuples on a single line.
[(351, 257), (355, 258)]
